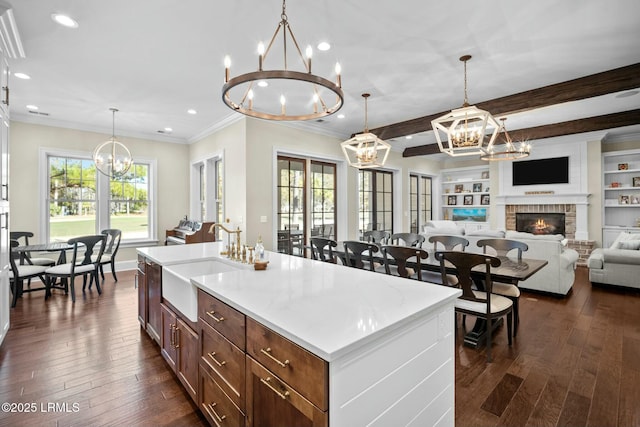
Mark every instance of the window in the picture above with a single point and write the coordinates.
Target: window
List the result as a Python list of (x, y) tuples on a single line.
[(82, 201), (303, 201), (129, 203), (291, 202), (376, 200), (207, 190), (419, 201), (323, 200)]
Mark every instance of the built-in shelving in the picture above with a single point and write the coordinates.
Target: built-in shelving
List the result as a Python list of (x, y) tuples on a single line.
[(464, 196), (620, 194)]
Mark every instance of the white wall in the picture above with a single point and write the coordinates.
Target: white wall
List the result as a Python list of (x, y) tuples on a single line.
[(26, 140)]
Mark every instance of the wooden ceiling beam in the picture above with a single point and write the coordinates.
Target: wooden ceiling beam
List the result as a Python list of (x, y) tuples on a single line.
[(590, 124), (616, 80)]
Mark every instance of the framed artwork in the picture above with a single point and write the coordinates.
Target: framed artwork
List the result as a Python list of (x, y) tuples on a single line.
[(458, 188), (468, 200), (470, 214), (635, 199), (484, 200), (636, 181), (477, 187), (623, 166), (452, 200), (485, 175), (623, 199)]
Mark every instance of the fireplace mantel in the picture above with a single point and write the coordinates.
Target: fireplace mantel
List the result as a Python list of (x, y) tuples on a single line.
[(579, 200)]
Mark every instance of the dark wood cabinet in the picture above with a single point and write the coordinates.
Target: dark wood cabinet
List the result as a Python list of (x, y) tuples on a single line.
[(180, 348), (238, 386), (153, 273), (141, 283), (168, 340), (273, 403), (188, 355)]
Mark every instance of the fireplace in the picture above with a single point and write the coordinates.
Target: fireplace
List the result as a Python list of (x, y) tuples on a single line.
[(541, 223)]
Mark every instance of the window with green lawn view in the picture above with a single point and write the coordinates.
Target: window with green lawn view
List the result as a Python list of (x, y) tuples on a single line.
[(82, 201), (375, 200)]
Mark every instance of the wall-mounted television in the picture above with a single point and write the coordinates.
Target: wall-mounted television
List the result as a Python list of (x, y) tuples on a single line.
[(542, 171)]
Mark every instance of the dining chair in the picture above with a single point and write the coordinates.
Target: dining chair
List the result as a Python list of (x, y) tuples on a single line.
[(318, 246), (448, 242), (109, 254), (406, 239), (502, 247), (83, 262), (400, 255), (20, 272), (376, 236), (25, 235), (480, 303), (356, 253)]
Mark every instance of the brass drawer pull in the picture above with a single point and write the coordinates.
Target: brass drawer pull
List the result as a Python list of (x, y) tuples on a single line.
[(268, 384), (267, 353), (172, 337), (212, 356), (211, 314), (177, 336), (211, 406)]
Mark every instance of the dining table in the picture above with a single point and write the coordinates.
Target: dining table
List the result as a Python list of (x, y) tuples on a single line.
[(61, 247), (511, 270)]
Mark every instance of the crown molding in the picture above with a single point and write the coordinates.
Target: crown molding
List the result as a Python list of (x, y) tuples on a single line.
[(47, 121), (9, 35), (215, 127)]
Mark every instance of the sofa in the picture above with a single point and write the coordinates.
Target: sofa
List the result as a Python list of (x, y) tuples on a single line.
[(555, 278), (619, 264)]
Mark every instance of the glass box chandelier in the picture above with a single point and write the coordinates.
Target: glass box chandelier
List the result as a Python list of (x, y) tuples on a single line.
[(366, 150), (509, 151), (282, 94), (462, 131), (112, 158)]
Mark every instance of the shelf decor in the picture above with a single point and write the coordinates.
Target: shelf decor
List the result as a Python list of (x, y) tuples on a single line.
[(452, 200), (636, 181)]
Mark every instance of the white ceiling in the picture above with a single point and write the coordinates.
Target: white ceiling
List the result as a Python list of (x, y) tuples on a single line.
[(154, 59)]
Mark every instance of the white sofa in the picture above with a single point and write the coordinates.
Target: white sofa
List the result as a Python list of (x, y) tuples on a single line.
[(556, 277), (619, 264)]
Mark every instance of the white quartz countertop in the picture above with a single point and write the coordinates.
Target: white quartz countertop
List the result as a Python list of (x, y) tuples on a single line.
[(179, 254), (327, 309)]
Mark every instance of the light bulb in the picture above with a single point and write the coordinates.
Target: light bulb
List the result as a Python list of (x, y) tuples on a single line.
[(227, 62), (309, 52), (283, 101), (260, 48)]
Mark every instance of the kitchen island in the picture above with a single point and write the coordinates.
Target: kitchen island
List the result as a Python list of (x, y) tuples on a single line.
[(313, 341)]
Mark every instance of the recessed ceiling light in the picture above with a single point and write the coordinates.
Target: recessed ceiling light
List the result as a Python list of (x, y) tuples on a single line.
[(341, 116), (32, 107), (64, 20), (22, 76), (192, 111), (409, 137), (263, 83), (168, 130), (324, 46)]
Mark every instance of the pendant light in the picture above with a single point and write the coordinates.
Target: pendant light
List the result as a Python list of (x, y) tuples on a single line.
[(112, 158)]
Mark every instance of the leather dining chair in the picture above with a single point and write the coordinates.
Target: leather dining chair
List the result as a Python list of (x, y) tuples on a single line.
[(360, 254), (20, 272), (480, 303), (406, 239), (85, 261), (502, 247), (25, 235), (318, 247), (400, 255), (109, 254)]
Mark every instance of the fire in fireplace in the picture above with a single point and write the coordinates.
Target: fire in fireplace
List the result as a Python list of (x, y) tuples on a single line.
[(540, 223)]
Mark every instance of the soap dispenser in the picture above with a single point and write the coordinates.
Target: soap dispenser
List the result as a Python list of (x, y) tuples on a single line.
[(259, 250)]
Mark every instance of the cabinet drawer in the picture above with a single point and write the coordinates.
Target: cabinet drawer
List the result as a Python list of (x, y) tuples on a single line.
[(299, 368), (216, 405), (226, 360), (272, 402), (224, 319)]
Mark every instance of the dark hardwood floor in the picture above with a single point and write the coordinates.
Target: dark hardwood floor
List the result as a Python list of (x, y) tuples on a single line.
[(575, 362)]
